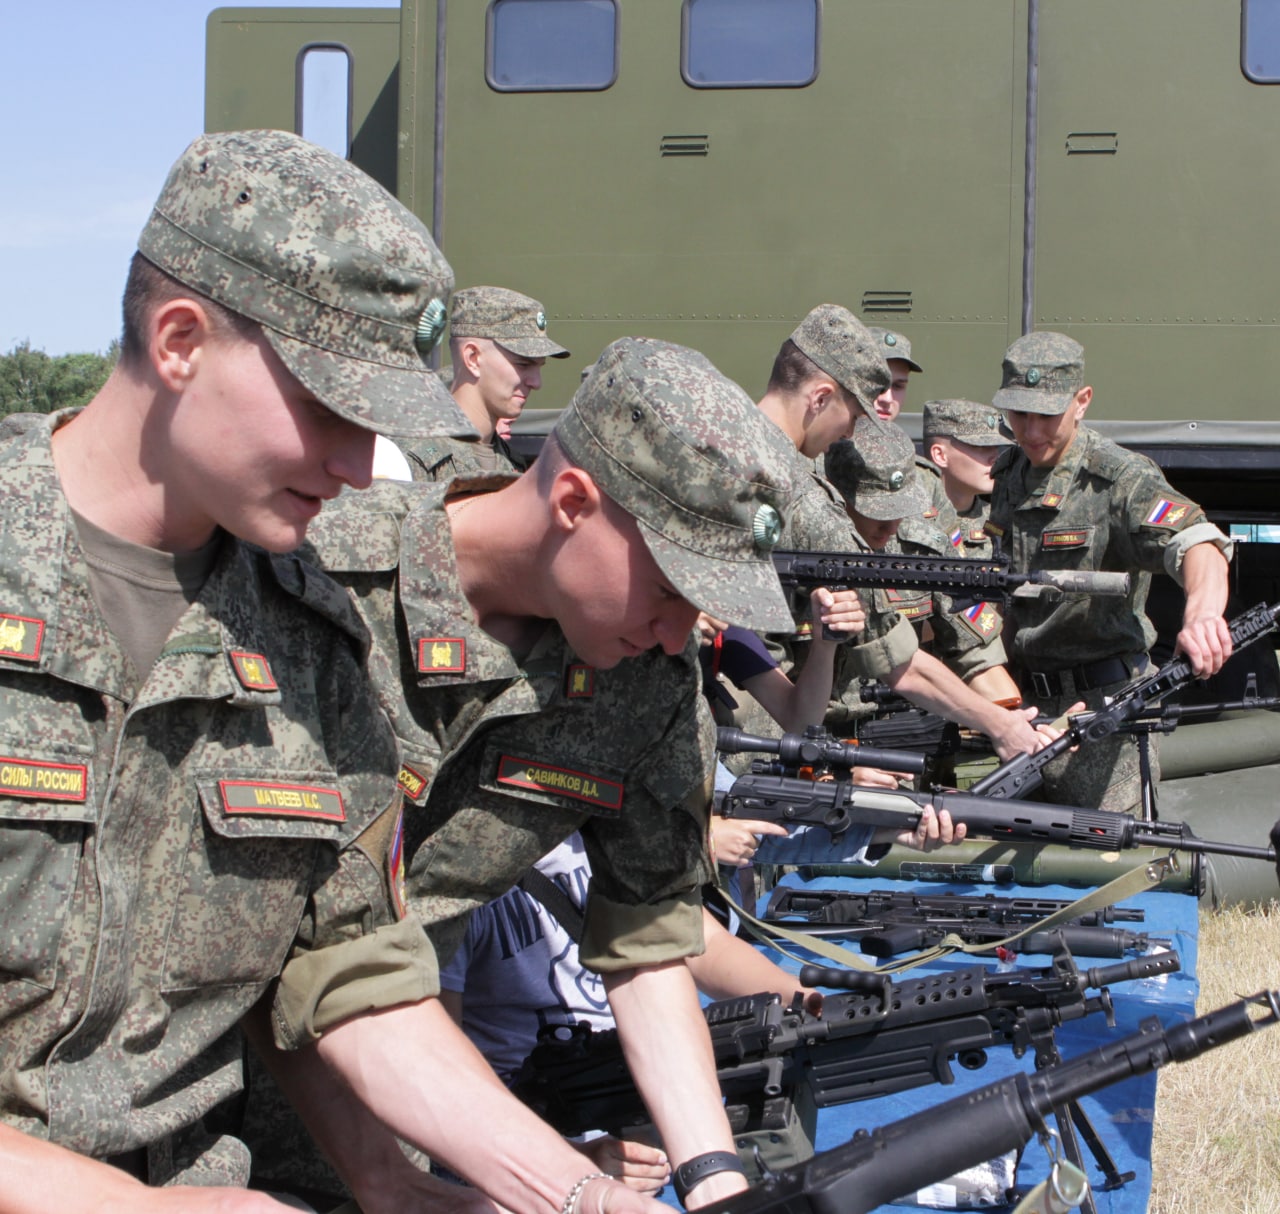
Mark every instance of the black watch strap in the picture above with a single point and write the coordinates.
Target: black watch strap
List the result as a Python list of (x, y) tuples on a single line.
[(693, 1171)]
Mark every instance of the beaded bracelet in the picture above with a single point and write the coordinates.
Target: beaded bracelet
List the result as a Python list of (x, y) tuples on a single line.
[(570, 1203)]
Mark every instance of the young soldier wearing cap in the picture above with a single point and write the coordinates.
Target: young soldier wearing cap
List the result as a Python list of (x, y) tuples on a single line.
[(962, 439), (1066, 498), (825, 381), (497, 345), (881, 486), (532, 644), (199, 788)]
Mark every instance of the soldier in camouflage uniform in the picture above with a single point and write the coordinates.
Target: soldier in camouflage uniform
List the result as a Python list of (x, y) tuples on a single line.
[(497, 344), (1067, 498), (825, 379), (533, 646), (199, 791), (880, 485), (937, 511), (963, 439)]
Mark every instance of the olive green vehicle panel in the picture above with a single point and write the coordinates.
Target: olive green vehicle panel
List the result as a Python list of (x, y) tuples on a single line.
[(251, 57), (1154, 207)]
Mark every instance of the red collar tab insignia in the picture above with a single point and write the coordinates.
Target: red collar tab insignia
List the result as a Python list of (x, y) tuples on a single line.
[(253, 671), (1065, 539), (1051, 500), (580, 681), (412, 783), (993, 529), (976, 535), (20, 637), (1166, 513), (561, 781), (269, 799), (442, 655), (931, 512), (43, 781)]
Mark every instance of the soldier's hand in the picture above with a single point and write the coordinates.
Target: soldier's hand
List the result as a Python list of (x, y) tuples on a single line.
[(1205, 641), (840, 611), (735, 841), (709, 627), (873, 777), (934, 830), (638, 1165)]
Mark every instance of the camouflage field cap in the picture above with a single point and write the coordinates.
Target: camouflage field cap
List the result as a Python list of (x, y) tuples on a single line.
[(702, 471), (1042, 372), (894, 345), (837, 341), (876, 475), (347, 284), (514, 321), (966, 421)]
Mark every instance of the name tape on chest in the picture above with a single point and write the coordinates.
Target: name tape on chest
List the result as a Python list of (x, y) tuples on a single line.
[(21, 637), (1074, 537), (442, 655), (282, 800), (42, 781), (516, 772)]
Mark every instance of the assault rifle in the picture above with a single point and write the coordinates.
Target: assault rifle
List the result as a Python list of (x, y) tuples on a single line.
[(778, 1064), (1023, 774), (964, 581), (837, 804), (877, 1167), (889, 922)]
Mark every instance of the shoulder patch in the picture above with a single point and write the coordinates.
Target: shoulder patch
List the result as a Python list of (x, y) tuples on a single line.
[(983, 618), (21, 637), (1167, 512)]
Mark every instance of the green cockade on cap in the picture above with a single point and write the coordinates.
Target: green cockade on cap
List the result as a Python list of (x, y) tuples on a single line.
[(990, 420), (896, 479), (430, 326), (541, 321), (890, 339), (1033, 377), (766, 527)]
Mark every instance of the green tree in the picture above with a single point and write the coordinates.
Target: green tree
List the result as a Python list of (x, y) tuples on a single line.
[(32, 381)]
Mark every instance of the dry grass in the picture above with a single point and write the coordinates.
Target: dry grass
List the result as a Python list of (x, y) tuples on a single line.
[(1217, 1125)]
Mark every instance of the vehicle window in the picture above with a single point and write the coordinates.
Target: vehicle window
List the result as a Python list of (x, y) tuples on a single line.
[(749, 43), (551, 45), (1260, 40), (323, 96)]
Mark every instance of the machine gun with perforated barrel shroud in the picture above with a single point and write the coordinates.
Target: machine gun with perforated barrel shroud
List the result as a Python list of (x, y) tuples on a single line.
[(778, 1063), (963, 580), (889, 922), (774, 791), (879, 1166)]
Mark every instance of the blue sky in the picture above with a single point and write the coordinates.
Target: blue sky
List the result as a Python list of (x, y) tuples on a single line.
[(97, 99)]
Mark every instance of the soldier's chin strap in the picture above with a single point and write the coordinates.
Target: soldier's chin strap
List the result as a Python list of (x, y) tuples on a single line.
[(1136, 881)]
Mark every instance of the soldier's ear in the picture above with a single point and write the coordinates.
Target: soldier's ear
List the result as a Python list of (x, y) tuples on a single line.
[(572, 497), (178, 332), (1083, 397), (938, 454)]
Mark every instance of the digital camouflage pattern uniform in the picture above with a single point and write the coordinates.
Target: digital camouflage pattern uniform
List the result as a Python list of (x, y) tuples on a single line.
[(1100, 508), (978, 425), (172, 844), (518, 324), (877, 476), (506, 756)]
